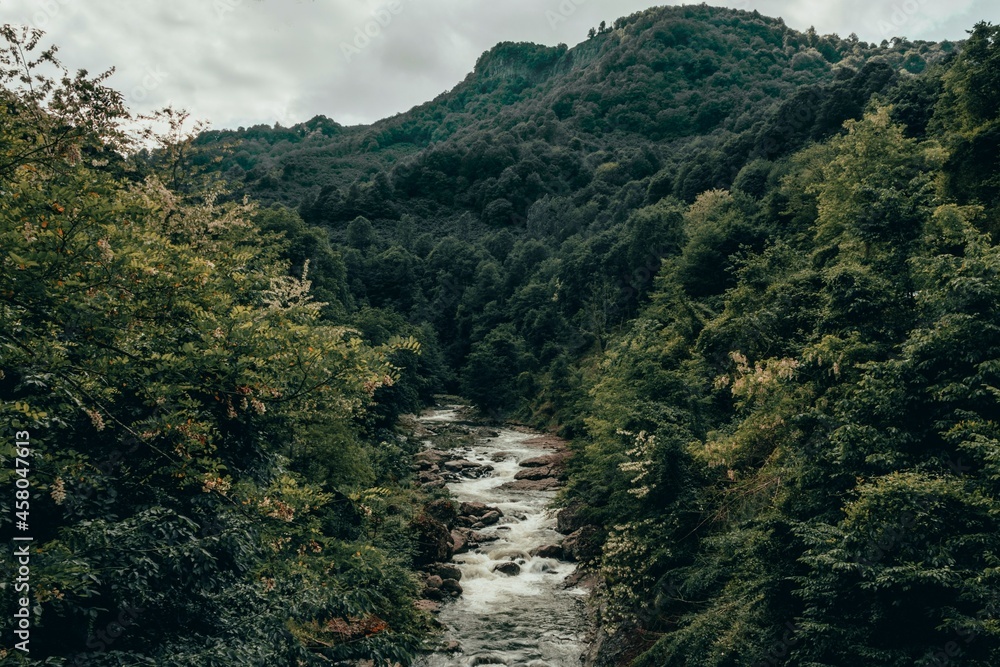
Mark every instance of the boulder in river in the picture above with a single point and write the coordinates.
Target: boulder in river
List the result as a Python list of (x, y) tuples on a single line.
[(460, 541), (545, 484), (490, 518), (548, 551), (538, 461), (476, 509), (477, 472), (432, 587), (508, 567), (535, 473), (451, 587)]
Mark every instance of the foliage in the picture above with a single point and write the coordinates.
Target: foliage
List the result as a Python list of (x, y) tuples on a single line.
[(833, 493), (173, 375)]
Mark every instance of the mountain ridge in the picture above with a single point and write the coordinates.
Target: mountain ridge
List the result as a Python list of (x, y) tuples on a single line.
[(646, 86)]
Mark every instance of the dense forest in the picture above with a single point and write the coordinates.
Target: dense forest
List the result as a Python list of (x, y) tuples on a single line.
[(748, 271)]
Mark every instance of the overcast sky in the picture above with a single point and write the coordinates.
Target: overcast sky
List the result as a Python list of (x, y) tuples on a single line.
[(242, 62)]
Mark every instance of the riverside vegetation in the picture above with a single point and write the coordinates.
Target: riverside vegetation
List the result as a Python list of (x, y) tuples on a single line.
[(749, 272)]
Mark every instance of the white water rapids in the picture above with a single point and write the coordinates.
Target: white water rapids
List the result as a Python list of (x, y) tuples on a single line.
[(528, 620)]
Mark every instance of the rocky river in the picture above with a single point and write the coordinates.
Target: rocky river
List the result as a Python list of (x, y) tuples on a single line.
[(518, 604)]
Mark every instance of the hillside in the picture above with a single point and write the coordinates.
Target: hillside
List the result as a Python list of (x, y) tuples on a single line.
[(535, 193)]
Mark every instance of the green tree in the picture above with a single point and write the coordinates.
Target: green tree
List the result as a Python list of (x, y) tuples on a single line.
[(490, 377), (168, 367)]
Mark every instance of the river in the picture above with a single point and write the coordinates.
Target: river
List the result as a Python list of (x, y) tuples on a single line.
[(527, 620)]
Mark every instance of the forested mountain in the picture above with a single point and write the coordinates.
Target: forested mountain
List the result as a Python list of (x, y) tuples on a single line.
[(749, 271), (523, 214)]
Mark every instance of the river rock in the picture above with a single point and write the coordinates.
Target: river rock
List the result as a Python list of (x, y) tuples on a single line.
[(538, 462), (488, 519), (454, 429), (418, 429), (477, 472), (429, 457), (446, 571), (432, 587), (452, 647), (458, 465), (459, 541), (474, 509), (433, 540), (548, 551), (430, 480), (451, 587), (508, 567), (535, 473), (443, 510), (545, 484), (583, 544), (569, 519)]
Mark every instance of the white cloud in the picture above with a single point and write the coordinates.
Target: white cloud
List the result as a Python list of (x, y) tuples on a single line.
[(241, 62)]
